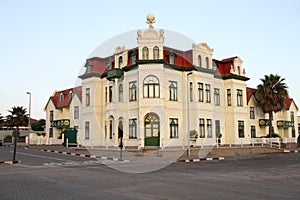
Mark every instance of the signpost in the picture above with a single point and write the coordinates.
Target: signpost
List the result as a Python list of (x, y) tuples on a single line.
[(16, 135)]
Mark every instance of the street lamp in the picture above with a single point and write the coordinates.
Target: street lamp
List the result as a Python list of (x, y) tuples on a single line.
[(29, 108), (188, 114)]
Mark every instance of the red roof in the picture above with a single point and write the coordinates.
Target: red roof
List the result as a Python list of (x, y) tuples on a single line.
[(225, 65), (287, 103), (63, 98), (183, 58), (249, 92)]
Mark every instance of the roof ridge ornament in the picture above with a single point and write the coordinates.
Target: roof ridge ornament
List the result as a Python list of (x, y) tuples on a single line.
[(150, 20)]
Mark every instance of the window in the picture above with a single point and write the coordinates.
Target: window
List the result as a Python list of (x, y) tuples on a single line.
[(173, 128), (108, 64), (88, 68), (71, 94), (173, 90), (200, 91), (87, 97), (87, 130), (132, 129), (202, 128), (217, 96), (156, 53), (172, 58), (110, 129), (207, 90), (239, 70), (253, 132), (218, 128), (105, 94), (121, 93), (207, 62), (61, 97), (209, 128), (132, 59), (51, 115), (239, 97), (292, 116), (293, 127), (191, 92), (145, 54), (229, 97), (199, 61), (252, 114), (50, 132), (110, 94), (132, 91), (241, 129), (120, 61), (76, 112), (151, 87)]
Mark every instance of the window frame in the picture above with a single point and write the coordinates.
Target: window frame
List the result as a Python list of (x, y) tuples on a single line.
[(151, 89), (132, 91), (208, 93), (201, 127), (217, 96), (239, 94), (173, 125), (173, 91), (132, 128)]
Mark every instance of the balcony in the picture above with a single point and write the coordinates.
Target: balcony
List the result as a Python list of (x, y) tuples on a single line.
[(62, 123), (115, 73)]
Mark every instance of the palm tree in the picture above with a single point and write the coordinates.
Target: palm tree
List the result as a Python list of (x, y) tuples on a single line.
[(271, 95), (17, 117)]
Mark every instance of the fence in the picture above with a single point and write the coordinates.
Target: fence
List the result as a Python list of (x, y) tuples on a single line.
[(45, 141)]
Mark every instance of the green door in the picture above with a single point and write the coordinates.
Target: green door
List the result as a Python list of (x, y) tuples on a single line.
[(71, 135), (151, 127)]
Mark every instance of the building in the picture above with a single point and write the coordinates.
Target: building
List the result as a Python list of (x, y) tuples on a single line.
[(154, 95)]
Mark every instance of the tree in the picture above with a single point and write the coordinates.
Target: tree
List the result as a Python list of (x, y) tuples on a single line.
[(39, 125), (17, 117), (271, 95), (1, 120)]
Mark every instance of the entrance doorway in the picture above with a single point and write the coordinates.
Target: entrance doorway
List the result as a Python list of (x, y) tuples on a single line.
[(151, 127)]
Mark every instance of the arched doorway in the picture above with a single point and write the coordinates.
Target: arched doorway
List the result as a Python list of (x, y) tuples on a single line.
[(120, 129), (151, 127)]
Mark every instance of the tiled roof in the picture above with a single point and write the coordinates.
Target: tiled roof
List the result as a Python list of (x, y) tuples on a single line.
[(225, 65), (249, 92), (287, 103), (66, 99)]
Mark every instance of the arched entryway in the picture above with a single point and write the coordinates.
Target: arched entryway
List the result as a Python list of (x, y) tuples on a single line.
[(151, 127)]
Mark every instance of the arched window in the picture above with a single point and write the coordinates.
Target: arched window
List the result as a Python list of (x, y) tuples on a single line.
[(155, 53), (151, 87), (239, 70), (199, 61), (172, 58), (132, 59), (61, 97), (145, 53), (207, 62), (132, 91), (120, 93), (120, 61)]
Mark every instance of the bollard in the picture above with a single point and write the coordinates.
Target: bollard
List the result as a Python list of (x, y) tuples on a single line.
[(67, 142)]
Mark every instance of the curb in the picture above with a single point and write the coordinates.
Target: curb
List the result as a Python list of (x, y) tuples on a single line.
[(10, 162), (290, 151), (200, 159), (85, 155)]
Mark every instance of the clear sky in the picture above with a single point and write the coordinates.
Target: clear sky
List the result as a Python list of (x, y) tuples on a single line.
[(43, 44)]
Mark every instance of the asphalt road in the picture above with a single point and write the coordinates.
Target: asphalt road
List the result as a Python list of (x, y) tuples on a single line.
[(44, 175)]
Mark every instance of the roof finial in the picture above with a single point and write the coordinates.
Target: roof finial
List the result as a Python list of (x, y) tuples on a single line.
[(150, 20)]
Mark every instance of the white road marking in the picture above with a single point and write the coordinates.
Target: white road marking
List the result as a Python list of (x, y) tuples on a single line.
[(39, 156)]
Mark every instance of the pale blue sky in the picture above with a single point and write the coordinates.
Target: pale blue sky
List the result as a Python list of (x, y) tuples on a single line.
[(43, 44)]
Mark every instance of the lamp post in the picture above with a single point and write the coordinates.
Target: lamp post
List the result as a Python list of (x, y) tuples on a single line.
[(188, 114), (29, 108)]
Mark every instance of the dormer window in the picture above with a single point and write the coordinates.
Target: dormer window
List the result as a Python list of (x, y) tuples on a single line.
[(145, 53), (108, 65), (133, 59), (71, 94), (61, 97), (120, 62), (155, 53), (88, 68), (172, 57)]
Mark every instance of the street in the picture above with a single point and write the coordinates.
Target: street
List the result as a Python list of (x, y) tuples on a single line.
[(46, 175)]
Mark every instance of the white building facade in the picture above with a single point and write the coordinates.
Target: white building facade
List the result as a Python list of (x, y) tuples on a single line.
[(153, 95)]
